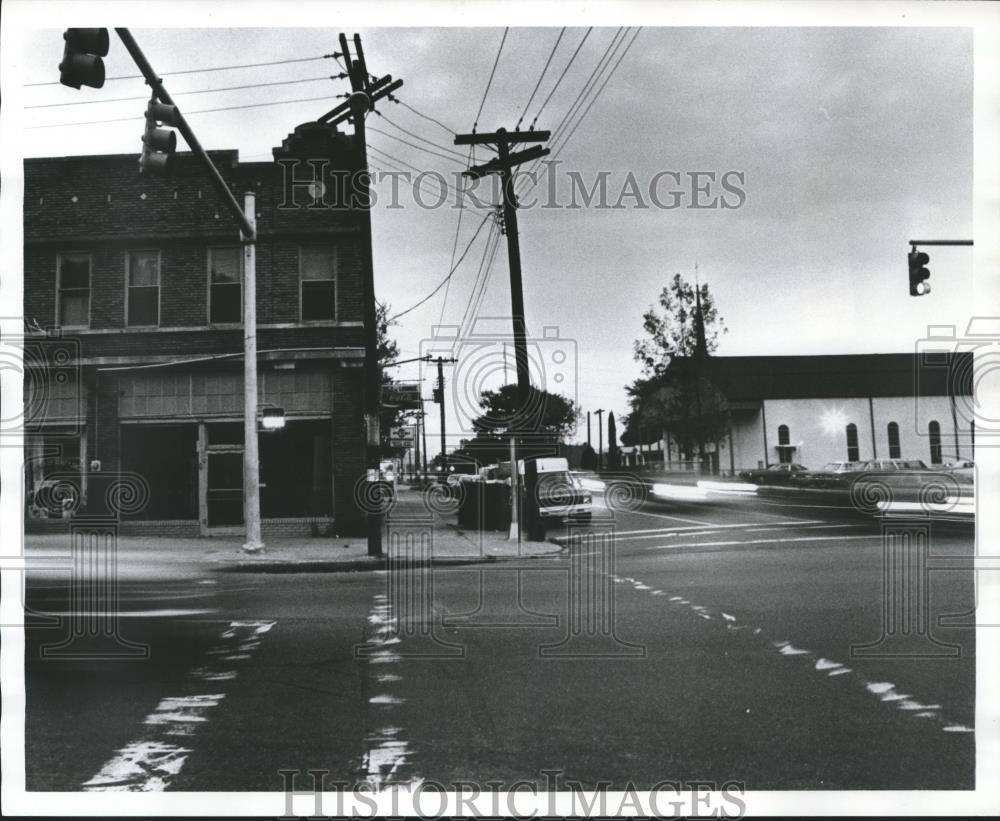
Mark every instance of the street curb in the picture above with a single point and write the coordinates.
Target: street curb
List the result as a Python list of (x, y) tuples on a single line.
[(362, 565)]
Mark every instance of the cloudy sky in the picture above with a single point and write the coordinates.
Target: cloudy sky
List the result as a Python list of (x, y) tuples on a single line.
[(843, 144)]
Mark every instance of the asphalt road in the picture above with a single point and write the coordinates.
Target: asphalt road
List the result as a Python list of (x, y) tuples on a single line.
[(704, 642)]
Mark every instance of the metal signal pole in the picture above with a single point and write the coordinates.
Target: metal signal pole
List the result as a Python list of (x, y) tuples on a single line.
[(503, 165), (440, 393)]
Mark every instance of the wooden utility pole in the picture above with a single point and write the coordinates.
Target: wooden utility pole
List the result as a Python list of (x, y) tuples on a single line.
[(503, 164), (365, 92)]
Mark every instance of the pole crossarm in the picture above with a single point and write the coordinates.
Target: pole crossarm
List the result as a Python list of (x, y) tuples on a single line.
[(915, 242), (502, 135), (495, 166)]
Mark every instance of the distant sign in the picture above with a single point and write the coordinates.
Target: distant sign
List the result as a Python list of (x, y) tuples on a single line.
[(404, 395)]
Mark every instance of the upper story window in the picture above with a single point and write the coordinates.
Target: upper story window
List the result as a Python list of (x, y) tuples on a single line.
[(142, 299), (853, 452), (73, 300), (317, 282), (225, 288), (894, 449)]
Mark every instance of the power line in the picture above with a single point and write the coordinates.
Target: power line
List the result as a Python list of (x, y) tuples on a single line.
[(422, 139), (601, 89), (491, 239), (199, 70), (414, 145), (541, 76), (184, 93), (450, 131), (454, 249), (450, 273), (490, 81), (561, 76), (186, 113), (602, 63)]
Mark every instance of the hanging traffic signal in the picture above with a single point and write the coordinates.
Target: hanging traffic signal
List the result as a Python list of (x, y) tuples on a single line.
[(81, 63), (158, 144), (917, 261)]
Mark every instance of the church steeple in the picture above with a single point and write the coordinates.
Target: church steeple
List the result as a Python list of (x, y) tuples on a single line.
[(700, 344)]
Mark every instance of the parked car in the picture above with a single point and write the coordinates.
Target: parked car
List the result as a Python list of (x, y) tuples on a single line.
[(845, 473), (783, 473)]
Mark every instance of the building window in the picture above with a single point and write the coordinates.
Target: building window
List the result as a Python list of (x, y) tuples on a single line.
[(73, 291), (143, 297), (894, 452), (318, 282), (225, 285), (784, 442), (853, 454), (934, 433)]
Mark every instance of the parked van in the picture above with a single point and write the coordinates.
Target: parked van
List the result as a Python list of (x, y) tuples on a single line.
[(560, 493)]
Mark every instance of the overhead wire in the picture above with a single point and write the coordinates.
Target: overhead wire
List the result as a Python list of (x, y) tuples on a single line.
[(489, 82), (600, 90), (561, 76), (414, 145), (199, 70), (451, 273), (394, 99), (458, 154), (454, 249), (603, 61), (186, 113), (184, 93), (541, 76)]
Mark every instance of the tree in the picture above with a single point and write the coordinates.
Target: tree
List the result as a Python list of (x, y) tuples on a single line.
[(685, 404), (679, 399), (673, 332), (387, 352), (546, 419), (613, 454)]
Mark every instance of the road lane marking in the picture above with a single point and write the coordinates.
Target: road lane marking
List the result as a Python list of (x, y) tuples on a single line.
[(690, 531), (386, 750), (763, 541), (672, 518), (152, 762), (886, 691)]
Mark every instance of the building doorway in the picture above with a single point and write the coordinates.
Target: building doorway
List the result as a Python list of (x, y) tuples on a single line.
[(224, 490)]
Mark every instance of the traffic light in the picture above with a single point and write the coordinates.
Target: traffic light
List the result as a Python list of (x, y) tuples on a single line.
[(158, 144), (917, 261), (81, 63)]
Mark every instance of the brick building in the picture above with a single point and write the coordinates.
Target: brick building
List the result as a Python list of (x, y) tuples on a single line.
[(136, 280)]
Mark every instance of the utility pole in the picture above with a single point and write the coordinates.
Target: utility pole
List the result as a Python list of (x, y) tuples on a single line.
[(439, 397), (503, 165), (423, 435), (246, 218), (600, 439), (365, 92)]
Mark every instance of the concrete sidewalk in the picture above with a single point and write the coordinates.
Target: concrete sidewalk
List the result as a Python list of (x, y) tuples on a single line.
[(411, 513)]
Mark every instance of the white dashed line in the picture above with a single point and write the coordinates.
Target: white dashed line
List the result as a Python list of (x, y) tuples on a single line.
[(152, 762)]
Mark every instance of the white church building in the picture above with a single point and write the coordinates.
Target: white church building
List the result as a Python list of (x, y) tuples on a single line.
[(819, 409)]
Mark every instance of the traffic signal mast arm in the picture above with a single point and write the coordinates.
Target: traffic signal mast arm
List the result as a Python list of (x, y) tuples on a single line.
[(160, 92)]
